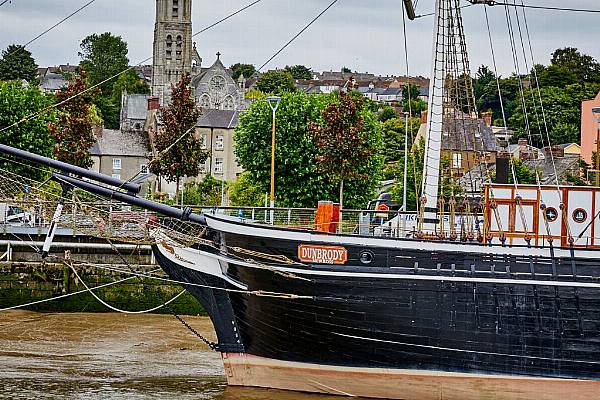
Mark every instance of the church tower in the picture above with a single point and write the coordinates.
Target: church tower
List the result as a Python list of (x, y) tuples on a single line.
[(173, 52)]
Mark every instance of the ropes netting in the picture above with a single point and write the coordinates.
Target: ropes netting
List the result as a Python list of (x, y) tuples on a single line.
[(31, 201)]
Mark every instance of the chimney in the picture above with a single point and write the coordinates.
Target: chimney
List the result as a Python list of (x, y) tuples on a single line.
[(97, 131), (153, 103), (502, 167), (424, 117), (554, 151), (487, 117)]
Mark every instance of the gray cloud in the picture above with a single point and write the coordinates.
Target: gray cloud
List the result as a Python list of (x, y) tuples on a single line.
[(363, 35)]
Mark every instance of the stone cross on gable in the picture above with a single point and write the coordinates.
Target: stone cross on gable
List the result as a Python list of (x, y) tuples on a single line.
[(218, 55)]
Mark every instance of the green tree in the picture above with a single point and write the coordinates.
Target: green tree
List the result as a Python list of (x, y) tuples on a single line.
[(562, 109), (393, 137), (584, 67), (414, 175), (299, 71), (345, 148), (178, 151), (554, 75), (276, 82), (245, 192), (17, 64), (129, 82), (18, 101), (207, 192), (482, 78), (103, 57), (242, 69), (73, 131), (523, 173), (346, 70), (298, 181), (410, 91), (387, 113), (490, 100)]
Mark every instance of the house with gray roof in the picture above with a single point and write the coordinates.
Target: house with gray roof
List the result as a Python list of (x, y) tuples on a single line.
[(52, 82), (134, 111), (122, 155), (466, 141)]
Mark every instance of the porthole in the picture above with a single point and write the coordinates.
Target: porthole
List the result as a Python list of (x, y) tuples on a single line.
[(579, 215), (366, 257), (551, 214)]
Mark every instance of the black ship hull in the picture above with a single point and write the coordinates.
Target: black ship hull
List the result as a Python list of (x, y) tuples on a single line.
[(474, 314)]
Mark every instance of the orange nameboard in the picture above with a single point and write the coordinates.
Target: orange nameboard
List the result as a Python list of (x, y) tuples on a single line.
[(322, 254)]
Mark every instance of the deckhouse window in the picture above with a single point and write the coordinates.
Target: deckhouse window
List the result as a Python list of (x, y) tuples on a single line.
[(116, 163)]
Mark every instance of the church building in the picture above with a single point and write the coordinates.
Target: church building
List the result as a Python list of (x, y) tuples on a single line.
[(217, 95)]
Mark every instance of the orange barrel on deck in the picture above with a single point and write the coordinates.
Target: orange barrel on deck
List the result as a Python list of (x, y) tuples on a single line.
[(323, 216), (335, 218)]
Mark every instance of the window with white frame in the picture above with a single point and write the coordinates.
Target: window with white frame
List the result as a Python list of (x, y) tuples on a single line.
[(218, 165), (202, 167), (116, 176), (203, 141), (116, 163), (144, 169), (219, 142), (456, 160)]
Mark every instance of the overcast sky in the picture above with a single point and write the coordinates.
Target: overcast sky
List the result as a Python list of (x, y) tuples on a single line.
[(365, 35)]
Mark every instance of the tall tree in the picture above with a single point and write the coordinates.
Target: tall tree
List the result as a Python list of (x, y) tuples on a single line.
[(562, 111), (276, 82), (17, 63), (179, 153), (299, 71), (298, 180), (129, 82), (584, 67), (239, 69), (343, 145), (73, 131), (103, 57), (482, 78), (18, 101)]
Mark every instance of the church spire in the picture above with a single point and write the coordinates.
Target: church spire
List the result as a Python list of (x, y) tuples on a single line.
[(173, 50)]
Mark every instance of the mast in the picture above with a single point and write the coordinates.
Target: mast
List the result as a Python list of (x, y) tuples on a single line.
[(435, 109)]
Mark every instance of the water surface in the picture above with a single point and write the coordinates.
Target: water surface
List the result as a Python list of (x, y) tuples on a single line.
[(117, 356)]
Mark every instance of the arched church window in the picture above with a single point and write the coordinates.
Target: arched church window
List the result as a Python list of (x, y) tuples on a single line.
[(229, 103), (169, 44), (205, 101), (178, 45)]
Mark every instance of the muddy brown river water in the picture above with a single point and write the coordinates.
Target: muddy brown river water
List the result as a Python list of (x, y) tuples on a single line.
[(114, 356)]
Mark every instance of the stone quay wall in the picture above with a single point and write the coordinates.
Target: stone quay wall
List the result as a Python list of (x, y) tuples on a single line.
[(26, 278)]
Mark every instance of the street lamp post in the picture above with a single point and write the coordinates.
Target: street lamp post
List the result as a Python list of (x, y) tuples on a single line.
[(274, 104), (596, 113)]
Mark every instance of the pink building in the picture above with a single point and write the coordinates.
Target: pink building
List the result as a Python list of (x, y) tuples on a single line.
[(589, 128)]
